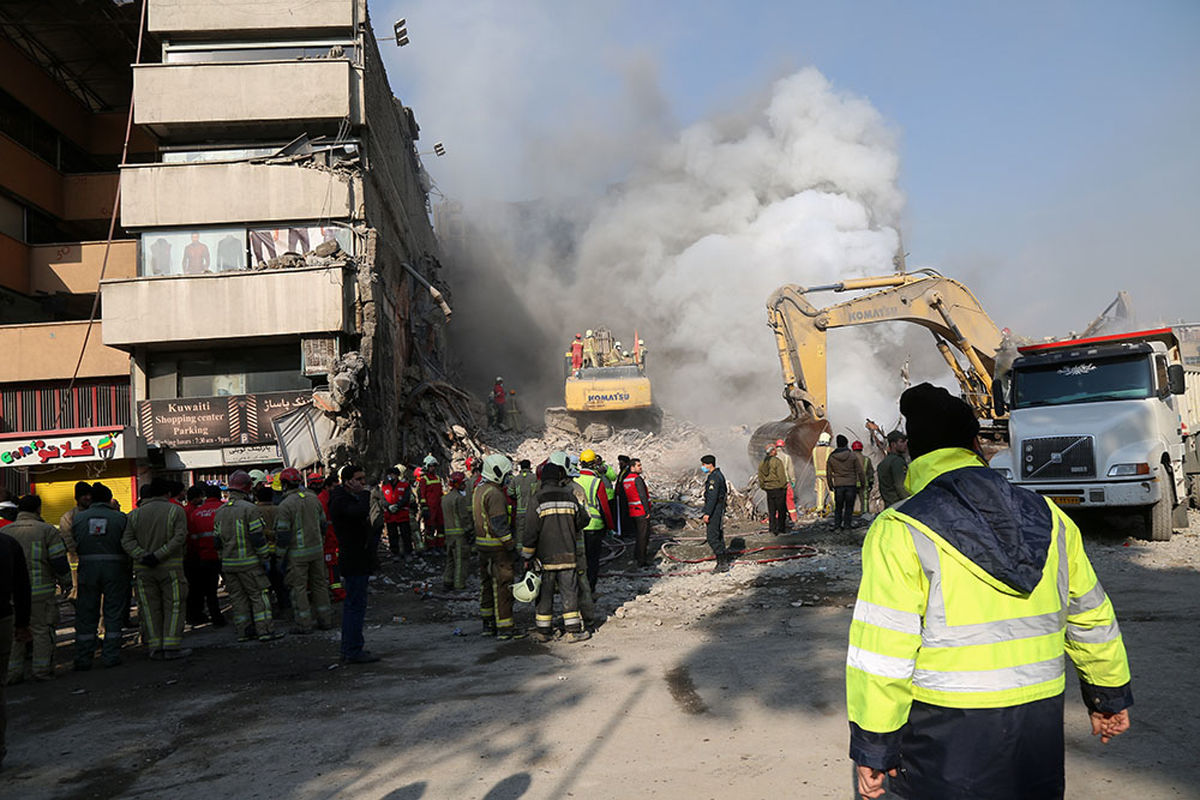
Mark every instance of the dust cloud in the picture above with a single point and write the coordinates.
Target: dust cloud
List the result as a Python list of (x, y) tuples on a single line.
[(631, 222)]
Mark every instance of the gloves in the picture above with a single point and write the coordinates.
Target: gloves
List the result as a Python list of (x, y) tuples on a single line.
[(149, 560), (394, 508)]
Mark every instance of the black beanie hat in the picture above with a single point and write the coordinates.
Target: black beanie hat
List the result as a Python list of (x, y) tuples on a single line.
[(934, 419)]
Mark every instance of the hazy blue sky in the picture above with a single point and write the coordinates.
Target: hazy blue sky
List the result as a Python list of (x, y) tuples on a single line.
[(1048, 149)]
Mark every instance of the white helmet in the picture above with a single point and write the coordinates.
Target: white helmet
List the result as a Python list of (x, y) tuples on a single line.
[(560, 458), (499, 379), (430, 461), (496, 468), (526, 590), (617, 345), (823, 438), (641, 342), (589, 332)]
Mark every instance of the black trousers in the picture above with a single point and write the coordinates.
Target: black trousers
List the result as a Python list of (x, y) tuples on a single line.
[(400, 533), (591, 546), (715, 533), (642, 546), (844, 498), (777, 516), (202, 577)]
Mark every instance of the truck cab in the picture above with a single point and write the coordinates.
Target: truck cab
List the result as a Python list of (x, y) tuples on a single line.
[(1103, 423)]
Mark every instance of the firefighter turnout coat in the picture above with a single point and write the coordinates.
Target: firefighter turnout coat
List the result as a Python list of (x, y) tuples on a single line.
[(972, 591)]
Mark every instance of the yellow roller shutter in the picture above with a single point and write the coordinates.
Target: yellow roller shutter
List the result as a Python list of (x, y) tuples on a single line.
[(57, 489)]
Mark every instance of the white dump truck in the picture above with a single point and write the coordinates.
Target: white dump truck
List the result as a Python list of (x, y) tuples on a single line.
[(1109, 422)]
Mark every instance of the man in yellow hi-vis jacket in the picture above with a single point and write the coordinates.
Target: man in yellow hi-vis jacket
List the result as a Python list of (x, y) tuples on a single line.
[(972, 591)]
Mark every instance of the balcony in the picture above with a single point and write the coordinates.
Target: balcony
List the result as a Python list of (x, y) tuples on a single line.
[(252, 99), (74, 267), (48, 351), (214, 20), (260, 304), (181, 195)]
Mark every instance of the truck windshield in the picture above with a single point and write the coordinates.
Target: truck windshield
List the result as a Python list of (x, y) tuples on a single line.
[(1083, 382)]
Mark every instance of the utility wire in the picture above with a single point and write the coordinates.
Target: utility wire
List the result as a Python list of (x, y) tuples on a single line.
[(112, 226)]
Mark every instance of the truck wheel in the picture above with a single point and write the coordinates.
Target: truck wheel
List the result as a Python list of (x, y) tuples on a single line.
[(1158, 521)]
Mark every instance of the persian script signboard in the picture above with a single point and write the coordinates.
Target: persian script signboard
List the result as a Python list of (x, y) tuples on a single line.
[(196, 422)]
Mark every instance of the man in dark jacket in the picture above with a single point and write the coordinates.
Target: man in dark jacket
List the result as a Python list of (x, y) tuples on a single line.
[(552, 524), (104, 569), (350, 509), (15, 603), (844, 473), (972, 592), (715, 495)]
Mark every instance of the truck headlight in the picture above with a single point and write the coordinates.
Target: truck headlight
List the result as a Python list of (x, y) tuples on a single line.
[(1128, 470), (1005, 472)]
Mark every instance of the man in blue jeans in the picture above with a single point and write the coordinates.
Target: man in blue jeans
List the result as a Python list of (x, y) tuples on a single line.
[(350, 511)]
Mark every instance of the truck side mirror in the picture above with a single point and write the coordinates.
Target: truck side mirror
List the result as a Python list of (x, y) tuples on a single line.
[(1175, 382), (998, 404)]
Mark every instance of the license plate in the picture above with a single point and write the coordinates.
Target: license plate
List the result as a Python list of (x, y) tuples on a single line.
[(1066, 500)]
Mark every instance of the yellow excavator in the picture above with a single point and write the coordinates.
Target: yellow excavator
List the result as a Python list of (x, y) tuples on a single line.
[(963, 333), (609, 386)]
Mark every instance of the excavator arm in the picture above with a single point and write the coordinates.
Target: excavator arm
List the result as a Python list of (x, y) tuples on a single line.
[(941, 305)]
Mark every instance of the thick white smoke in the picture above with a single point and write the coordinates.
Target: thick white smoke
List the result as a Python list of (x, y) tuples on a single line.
[(802, 189)]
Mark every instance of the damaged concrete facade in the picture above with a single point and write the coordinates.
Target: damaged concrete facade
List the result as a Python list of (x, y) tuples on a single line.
[(286, 259)]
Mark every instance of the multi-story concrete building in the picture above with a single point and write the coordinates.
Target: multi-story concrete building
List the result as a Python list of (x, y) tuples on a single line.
[(283, 226), (65, 412), (278, 235)]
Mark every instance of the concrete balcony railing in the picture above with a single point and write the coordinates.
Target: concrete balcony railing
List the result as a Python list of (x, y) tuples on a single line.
[(216, 18), (48, 351), (232, 305), (74, 267), (182, 195), (257, 98)]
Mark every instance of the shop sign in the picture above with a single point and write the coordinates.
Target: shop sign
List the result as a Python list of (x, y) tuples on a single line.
[(49, 450), (250, 454), (196, 422)]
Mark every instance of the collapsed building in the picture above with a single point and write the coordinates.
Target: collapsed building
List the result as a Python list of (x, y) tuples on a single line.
[(274, 259)]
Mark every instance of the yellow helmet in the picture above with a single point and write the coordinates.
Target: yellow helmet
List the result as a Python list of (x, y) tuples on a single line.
[(587, 456)]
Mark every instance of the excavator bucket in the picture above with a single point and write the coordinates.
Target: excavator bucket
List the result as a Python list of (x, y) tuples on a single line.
[(799, 436)]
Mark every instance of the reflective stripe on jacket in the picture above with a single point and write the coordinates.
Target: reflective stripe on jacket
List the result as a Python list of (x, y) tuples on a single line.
[(489, 508), (300, 526), (972, 591), (45, 552), (238, 526)]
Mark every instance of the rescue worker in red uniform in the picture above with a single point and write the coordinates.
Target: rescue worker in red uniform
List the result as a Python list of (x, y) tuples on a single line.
[(637, 497), (496, 407), (201, 560), (397, 498), (577, 352), (337, 590), (429, 487)]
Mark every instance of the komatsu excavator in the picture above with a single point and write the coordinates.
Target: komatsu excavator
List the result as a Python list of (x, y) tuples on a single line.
[(962, 331)]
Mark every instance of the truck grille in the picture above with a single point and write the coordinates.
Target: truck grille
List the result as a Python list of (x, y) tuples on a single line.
[(1057, 458)]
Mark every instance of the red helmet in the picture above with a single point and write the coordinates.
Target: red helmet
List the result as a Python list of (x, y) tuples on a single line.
[(780, 443), (316, 479), (240, 481), (291, 475), (856, 446), (457, 479)]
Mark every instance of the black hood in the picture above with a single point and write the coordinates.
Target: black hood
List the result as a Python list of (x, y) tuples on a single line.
[(1002, 528)]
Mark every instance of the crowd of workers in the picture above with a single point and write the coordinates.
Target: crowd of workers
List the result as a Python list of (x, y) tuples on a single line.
[(933, 707), (845, 479), (599, 349)]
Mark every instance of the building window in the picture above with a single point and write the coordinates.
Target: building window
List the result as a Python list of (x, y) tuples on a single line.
[(192, 252), (229, 371), (50, 406), (209, 250)]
